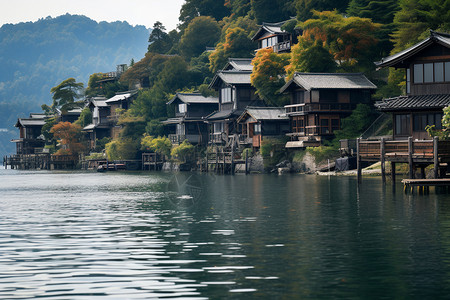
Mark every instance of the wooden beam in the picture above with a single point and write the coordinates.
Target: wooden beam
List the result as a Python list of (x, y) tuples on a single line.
[(435, 156), (358, 160), (382, 159), (410, 157)]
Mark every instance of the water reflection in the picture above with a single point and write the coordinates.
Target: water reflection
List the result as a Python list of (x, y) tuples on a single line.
[(158, 235)]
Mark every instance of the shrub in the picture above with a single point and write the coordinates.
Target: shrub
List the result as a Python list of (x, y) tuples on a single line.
[(184, 151)]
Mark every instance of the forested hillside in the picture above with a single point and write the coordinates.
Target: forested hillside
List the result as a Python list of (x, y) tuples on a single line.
[(36, 56)]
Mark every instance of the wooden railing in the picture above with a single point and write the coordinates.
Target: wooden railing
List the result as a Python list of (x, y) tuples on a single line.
[(177, 139), (312, 107), (283, 46)]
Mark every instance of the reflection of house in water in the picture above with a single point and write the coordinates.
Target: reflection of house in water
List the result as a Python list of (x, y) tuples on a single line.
[(190, 111)]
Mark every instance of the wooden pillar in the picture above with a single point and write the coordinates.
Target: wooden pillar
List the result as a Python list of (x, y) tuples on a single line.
[(382, 159), (246, 162), (435, 156), (232, 161), (358, 160), (393, 172), (422, 172), (217, 160), (206, 161), (410, 157)]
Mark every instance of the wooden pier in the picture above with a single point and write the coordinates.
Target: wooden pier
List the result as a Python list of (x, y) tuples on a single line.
[(224, 162), (43, 161), (152, 161), (416, 153), (423, 185)]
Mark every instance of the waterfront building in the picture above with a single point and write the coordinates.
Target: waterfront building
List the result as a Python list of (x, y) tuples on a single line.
[(100, 126), (117, 104), (427, 72), (30, 139), (259, 123), (235, 94), (318, 103), (190, 111)]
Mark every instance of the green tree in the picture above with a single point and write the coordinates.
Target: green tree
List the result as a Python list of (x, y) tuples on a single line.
[(239, 8), (183, 152), (378, 11), (305, 8), (201, 32), (272, 10), (192, 9), (122, 148), (310, 57), (85, 118), (159, 40), (237, 44), (160, 145), (267, 76), (416, 17), (65, 94), (444, 133), (352, 41)]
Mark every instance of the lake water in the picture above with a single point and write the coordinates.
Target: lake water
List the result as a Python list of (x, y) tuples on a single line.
[(78, 235)]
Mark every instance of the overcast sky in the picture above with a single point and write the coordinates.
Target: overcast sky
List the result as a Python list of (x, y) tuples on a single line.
[(135, 12)]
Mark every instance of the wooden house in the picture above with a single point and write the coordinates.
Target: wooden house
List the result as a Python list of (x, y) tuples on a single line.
[(118, 103), (190, 111), (319, 101), (235, 94), (70, 115), (272, 35), (101, 125), (258, 123), (30, 139), (427, 73)]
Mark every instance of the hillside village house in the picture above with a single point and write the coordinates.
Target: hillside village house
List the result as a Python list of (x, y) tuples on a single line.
[(319, 101), (100, 126), (272, 35), (118, 103), (258, 123), (30, 139), (235, 94), (190, 111), (427, 68)]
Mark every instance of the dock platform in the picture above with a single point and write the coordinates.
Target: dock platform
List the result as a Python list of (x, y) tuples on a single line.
[(424, 184)]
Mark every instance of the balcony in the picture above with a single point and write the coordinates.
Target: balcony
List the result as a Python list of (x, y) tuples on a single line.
[(177, 139), (218, 138), (302, 109), (282, 47)]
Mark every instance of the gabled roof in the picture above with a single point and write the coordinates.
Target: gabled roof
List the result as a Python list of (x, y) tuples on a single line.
[(264, 113), (421, 102), (73, 111), (231, 78), (121, 96), (239, 64), (435, 37), (189, 98), (29, 122), (311, 81), (223, 115), (271, 28), (38, 116)]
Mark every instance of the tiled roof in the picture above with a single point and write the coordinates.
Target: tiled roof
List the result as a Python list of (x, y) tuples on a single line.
[(239, 64), (194, 98), (223, 114), (121, 96), (273, 28), (414, 102), (265, 113), (435, 37), (310, 81), (231, 77), (30, 122)]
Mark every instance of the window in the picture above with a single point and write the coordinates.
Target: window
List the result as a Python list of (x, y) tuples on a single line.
[(257, 128), (226, 95), (439, 72), (422, 120), (299, 97), (418, 73), (428, 73), (182, 108), (328, 96), (218, 127), (402, 124), (180, 129), (298, 124), (324, 129)]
